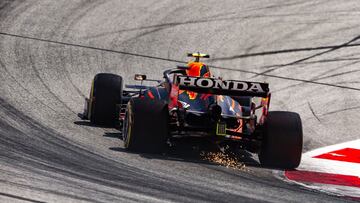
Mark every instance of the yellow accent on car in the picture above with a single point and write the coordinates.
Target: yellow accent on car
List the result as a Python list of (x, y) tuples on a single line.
[(221, 129), (91, 99), (129, 124), (199, 55)]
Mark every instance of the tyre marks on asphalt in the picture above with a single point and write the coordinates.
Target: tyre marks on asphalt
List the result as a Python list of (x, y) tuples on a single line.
[(19, 198), (178, 61)]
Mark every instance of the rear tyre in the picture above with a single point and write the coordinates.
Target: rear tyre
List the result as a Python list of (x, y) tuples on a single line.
[(283, 139), (146, 127), (105, 94)]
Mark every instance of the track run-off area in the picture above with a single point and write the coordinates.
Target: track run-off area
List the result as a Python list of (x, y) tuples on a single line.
[(308, 51)]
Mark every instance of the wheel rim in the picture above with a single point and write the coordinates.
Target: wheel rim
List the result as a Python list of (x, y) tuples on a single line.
[(127, 126)]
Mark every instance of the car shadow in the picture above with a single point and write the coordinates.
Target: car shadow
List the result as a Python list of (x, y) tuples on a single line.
[(88, 123), (113, 135), (168, 156), (191, 151)]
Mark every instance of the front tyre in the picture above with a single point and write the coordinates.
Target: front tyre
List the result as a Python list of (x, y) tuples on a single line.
[(106, 93), (282, 140), (146, 127)]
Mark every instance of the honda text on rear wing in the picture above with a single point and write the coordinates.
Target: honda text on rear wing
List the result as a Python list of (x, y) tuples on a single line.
[(222, 87)]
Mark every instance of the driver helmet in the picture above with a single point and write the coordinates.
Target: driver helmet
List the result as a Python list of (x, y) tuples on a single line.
[(198, 69)]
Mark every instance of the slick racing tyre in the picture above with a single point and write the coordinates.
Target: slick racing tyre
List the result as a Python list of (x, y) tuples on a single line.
[(282, 140), (145, 128), (105, 93)]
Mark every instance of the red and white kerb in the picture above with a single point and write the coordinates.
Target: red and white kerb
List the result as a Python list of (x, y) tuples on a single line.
[(334, 169)]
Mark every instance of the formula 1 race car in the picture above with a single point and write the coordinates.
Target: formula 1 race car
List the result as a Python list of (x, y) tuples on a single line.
[(189, 101)]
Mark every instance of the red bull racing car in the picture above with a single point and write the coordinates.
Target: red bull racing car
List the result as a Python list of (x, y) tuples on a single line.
[(190, 102)]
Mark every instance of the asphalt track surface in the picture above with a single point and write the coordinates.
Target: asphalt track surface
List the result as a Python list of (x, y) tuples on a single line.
[(50, 50)]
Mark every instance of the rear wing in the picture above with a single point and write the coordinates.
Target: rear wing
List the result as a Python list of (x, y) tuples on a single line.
[(222, 87)]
